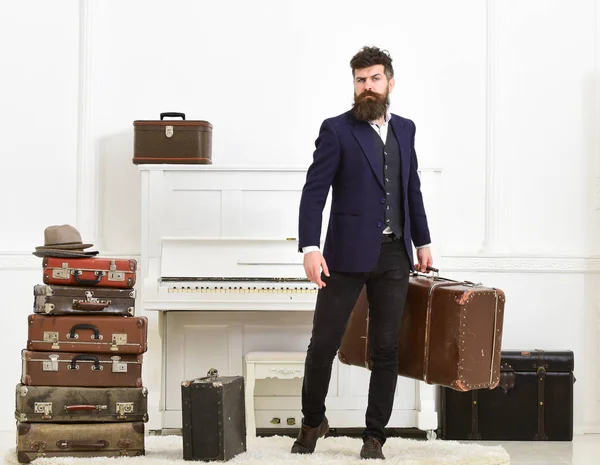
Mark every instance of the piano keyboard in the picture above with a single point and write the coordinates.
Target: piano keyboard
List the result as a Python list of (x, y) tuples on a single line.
[(219, 293), (242, 290)]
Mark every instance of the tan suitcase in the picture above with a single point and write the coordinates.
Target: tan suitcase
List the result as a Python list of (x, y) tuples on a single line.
[(66, 404), (450, 335), (36, 440)]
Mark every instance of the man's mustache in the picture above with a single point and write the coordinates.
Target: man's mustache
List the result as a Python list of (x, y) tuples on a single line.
[(368, 93)]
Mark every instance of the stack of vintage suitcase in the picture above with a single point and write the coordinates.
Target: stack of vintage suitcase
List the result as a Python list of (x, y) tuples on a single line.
[(81, 390)]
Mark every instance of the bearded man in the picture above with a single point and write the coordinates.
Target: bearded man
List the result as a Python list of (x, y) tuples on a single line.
[(367, 156)]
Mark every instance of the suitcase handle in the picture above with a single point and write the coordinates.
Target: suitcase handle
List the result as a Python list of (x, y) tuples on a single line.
[(90, 358), (90, 306), (65, 444), (86, 282), (73, 333), (70, 408), (172, 114)]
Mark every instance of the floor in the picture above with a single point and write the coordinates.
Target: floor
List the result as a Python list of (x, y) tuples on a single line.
[(583, 450)]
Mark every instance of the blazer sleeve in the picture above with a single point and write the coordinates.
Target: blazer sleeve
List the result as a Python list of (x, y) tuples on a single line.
[(319, 177), (419, 229)]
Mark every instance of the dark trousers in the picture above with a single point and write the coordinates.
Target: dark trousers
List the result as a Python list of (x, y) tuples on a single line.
[(387, 286)]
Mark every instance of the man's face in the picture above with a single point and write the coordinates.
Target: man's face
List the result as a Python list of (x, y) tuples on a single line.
[(371, 92)]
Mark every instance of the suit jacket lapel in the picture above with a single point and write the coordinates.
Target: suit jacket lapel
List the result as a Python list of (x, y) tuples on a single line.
[(371, 147), (405, 143)]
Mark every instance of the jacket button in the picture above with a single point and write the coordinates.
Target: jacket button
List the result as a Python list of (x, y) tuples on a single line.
[(382, 200), (380, 224)]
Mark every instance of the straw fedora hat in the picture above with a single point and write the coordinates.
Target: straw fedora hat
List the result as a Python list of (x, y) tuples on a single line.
[(63, 241)]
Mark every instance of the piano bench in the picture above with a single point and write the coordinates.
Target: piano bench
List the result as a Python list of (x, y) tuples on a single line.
[(263, 365)]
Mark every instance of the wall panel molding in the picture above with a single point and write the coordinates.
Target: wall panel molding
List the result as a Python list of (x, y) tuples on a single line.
[(494, 240), (519, 264), (87, 158), (455, 263)]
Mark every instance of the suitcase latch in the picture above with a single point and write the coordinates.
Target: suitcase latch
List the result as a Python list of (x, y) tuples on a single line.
[(118, 367), (113, 274), (52, 336), (169, 131), (61, 273), (51, 365), (118, 340), (45, 408), (123, 408)]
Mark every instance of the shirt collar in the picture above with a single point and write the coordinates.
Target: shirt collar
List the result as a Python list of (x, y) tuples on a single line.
[(388, 116)]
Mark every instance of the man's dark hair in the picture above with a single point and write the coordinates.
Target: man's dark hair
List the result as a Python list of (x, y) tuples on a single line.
[(369, 56)]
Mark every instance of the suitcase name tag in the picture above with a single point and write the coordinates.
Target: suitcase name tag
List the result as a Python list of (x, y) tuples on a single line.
[(90, 302)]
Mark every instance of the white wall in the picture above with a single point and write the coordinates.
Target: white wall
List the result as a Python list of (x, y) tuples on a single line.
[(504, 95)]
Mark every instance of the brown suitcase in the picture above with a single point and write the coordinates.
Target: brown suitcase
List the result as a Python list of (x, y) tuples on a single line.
[(81, 333), (450, 335), (81, 370), (51, 299), (94, 271), (35, 440), (172, 141), (52, 404)]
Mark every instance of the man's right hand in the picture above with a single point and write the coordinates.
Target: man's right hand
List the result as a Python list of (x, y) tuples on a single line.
[(313, 262)]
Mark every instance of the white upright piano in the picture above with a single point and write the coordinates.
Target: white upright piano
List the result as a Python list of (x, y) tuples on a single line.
[(219, 262)]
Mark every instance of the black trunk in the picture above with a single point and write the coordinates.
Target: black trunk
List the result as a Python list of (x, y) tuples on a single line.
[(214, 418), (533, 402)]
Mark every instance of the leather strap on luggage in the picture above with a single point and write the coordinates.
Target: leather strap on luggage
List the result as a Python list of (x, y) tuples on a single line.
[(474, 434), (541, 376)]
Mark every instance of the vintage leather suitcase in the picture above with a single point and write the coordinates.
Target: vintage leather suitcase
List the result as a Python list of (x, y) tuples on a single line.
[(81, 333), (90, 272), (450, 334), (35, 440), (51, 404), (533, 402), (172, 141), (72, 300), (214, 417), (81, 370)]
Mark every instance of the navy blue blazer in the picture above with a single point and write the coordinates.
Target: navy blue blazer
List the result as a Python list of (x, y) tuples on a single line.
[(348, 159)]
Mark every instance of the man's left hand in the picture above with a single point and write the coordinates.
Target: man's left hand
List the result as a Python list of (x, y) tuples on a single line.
[(424, 259)]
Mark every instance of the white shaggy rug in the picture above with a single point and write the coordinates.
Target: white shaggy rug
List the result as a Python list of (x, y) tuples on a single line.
[(167, 450)]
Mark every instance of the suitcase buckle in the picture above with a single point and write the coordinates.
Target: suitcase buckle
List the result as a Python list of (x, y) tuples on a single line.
[(43, 407), (169, 131), (51, 365)]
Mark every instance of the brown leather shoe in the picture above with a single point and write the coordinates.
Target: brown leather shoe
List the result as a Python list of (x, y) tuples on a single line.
[(307, 437), (371, 449)]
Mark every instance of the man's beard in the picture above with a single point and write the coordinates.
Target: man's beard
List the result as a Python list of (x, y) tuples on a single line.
[(370, 109)]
